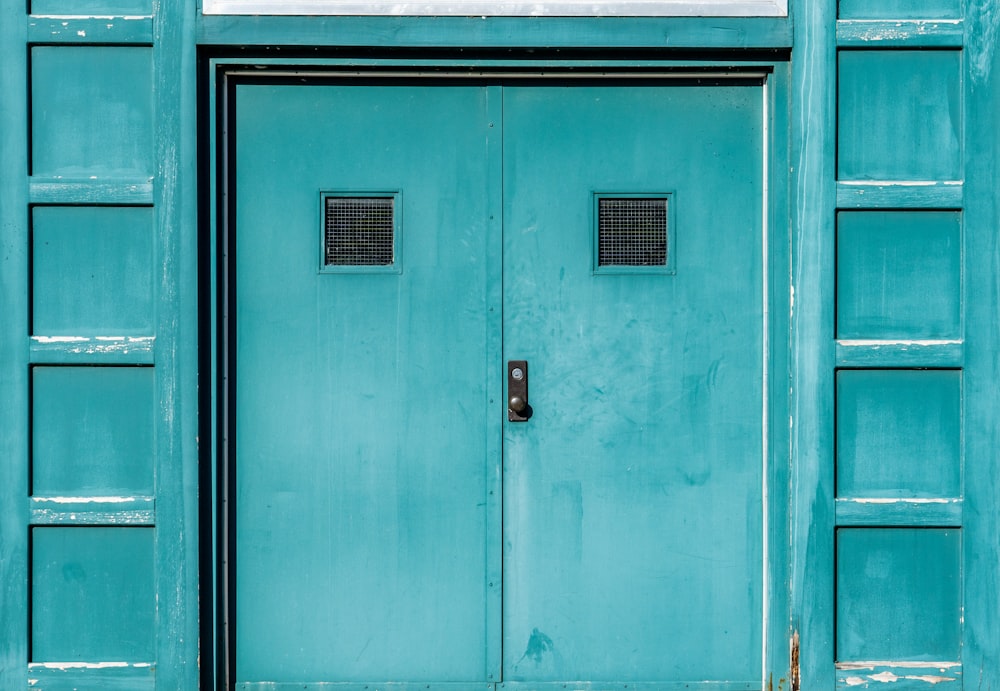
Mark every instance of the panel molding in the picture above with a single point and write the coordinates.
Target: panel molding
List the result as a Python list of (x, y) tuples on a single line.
[(879, 512), (900, 194), (44, 29), (105, 350), (125, 511), (895, 354), (60, 190), (908, 33), (903, 675), (107, 676)]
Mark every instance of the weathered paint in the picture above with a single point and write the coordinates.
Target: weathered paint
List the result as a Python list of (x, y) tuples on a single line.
[(899, 675), (815, 33)]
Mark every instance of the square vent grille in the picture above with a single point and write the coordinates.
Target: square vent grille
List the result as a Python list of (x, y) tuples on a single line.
[(359, 231), (632, 231)]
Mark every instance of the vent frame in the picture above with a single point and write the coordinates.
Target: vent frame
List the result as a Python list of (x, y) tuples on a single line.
[(395, 265), (667, 268)]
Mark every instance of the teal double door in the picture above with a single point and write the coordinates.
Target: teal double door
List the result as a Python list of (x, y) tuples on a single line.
[(394, 245)]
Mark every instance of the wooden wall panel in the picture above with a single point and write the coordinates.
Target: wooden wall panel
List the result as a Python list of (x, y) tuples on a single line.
[(92, 431), (899, 275), (92, 594), (91, 111), (899, 433), (92, 271), (899, 594), (899, 115)]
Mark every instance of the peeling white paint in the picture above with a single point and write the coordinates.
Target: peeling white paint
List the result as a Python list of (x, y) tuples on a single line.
[(899, 183), (869, 343), (81, 33), (889, 500), (59, 339), (90, 17), (97, 344), (908, 664), (63, 666), (930, 679), (89, 500), (854, 681), (884, 677)]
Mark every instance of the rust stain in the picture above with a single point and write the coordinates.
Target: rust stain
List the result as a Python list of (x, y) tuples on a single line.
[(795, 661)]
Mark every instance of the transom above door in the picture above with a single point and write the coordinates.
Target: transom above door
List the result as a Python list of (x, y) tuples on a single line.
[(391, 246)]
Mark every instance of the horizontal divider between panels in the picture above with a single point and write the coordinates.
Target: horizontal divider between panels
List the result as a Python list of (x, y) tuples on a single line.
[(899, 676), (877, 512), (107, 676), (910, 33), (701, 33), (138, 192), (92, 350), (943, 354), (130, 511), (900, 195), (93, 30)]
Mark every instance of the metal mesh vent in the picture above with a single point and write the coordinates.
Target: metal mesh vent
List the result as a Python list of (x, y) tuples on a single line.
[(359, 231), (632, 232)]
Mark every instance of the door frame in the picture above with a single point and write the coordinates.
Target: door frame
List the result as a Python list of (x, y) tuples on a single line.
[(220, 75)]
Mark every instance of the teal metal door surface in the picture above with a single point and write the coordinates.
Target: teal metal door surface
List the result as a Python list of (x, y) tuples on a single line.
[(633, 496), (361, 416), (391, 246)]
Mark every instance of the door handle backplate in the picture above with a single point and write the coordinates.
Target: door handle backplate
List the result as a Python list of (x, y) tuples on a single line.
[(518, 409)]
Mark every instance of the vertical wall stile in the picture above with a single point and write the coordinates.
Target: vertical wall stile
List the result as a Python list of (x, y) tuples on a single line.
[(175, 201), (813, 152), (13, 350), (89, 370), (981, 645), (904, 534)]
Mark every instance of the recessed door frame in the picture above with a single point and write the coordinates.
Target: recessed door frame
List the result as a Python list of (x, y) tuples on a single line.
[(222, 76)]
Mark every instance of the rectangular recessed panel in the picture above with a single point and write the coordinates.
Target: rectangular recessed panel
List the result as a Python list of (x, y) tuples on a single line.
[(899, 433), (899, 115), (359, 231), (92, 111), (92, 270), (899, 274), (899, 594), (632, 231), (92, 595), (92, 430)]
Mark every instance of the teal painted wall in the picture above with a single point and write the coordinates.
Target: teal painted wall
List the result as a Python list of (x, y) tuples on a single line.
[(888, 557)]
